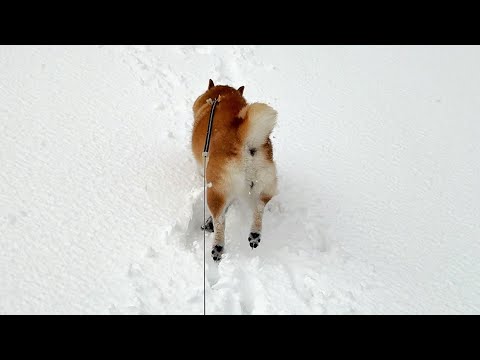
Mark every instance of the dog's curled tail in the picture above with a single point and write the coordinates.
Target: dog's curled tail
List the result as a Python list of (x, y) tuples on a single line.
[(259, 121)]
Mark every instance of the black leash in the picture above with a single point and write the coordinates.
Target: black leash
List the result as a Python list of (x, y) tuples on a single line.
[(205, 155), (209, 130)]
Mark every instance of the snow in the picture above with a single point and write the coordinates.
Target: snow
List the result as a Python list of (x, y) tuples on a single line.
[(377, 153)]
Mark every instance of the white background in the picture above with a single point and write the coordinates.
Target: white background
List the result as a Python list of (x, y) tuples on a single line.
[(379, 170)]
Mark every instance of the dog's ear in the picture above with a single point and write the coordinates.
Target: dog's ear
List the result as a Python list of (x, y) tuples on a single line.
[(210, 84), (240, 89)]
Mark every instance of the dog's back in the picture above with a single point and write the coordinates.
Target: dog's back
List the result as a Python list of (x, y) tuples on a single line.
[(226, 140), (240, 162)]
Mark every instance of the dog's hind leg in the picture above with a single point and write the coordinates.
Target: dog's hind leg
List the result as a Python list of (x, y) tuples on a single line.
[(217, 205), (255, 231)]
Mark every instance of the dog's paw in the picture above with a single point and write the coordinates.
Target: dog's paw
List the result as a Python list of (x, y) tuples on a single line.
[(217, 251), (208, 225), (254, 239)]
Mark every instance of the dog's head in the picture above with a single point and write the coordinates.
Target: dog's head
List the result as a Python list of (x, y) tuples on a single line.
[(223, 88), (214, 91)]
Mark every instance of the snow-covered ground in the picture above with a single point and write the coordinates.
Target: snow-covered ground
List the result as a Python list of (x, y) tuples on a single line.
[(378, 155)]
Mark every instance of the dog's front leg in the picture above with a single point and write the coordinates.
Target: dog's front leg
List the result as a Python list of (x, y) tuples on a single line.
[(208, 226)]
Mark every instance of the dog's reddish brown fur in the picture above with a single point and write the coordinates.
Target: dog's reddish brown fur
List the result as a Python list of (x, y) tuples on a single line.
[(226, 139)]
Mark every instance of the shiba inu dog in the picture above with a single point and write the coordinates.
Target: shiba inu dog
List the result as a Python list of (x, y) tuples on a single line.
[(240, 162)]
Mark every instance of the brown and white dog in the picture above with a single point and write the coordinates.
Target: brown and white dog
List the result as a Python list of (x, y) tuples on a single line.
[(240, 162)]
